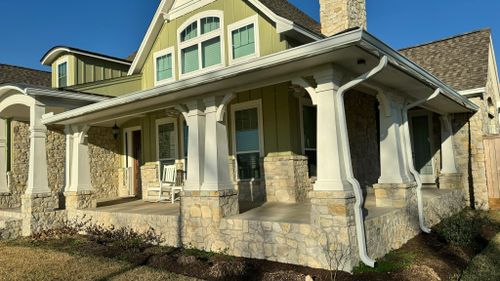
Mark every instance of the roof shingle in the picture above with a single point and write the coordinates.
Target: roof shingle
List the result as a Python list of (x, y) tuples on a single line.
[(20, 75), (460, 61), (285, 9)]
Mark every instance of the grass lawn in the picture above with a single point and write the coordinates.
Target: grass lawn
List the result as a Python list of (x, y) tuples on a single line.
[(30, 263)]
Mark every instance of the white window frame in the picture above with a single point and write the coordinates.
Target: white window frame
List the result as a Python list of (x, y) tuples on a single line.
[(161, 53), (243, 106), (58, 63), (163, 121), (198, 40), (237, 25)]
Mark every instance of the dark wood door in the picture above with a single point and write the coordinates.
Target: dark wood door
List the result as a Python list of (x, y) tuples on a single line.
[(137, 156)]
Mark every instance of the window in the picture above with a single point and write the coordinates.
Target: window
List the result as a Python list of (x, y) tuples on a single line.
[(200, 44), (166, 141), (247, 138), (62, 74), (243, 36), (164, 66), (309, 117)]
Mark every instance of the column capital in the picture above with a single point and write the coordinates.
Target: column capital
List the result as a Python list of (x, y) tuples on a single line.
[(328, 79)]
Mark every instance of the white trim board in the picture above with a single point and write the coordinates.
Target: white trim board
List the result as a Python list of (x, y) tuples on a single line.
[(473, 92)]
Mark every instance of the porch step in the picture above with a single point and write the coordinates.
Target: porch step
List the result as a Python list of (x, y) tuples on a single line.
[(10, 228)]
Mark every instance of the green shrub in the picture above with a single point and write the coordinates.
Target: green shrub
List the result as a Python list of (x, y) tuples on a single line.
[(463, 229)]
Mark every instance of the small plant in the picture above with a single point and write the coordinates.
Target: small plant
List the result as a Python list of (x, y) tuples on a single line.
[(393, 261), (337, 255)]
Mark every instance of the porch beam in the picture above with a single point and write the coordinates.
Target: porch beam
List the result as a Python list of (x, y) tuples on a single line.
[(447, 150), (37, 172), (3, 156)]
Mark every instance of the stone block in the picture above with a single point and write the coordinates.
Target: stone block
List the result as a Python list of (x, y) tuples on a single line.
[(450, 181), (80, 200), (394, 195)]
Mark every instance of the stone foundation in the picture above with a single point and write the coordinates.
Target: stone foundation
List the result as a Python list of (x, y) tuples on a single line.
[(10, 228), (80, 200), (287, 178), (395, 195), (149, 178), (7, 201), (202, 212), (38, 212), (450, 181)]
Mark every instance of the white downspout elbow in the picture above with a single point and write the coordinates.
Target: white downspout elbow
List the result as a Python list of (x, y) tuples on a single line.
[(411, 166), (346, 152)]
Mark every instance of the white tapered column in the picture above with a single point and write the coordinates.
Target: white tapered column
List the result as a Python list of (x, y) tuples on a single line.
[(331, 172), (447, 151), (37, 172), (216, 166), (3, 156), (393, 168), (195, 119)]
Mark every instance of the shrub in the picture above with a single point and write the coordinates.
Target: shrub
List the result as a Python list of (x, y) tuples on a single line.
[(463, 229)]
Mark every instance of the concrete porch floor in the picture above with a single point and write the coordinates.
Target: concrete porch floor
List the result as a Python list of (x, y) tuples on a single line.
[(139, 207)]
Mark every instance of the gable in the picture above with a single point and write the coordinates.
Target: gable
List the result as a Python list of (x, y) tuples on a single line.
[(170, 11)]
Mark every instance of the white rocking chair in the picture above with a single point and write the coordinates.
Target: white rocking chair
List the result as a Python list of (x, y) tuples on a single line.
[(167, 183)]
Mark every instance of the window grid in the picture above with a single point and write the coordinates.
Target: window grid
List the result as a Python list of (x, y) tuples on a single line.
[(164, 67), (243, 41), (62, 75)]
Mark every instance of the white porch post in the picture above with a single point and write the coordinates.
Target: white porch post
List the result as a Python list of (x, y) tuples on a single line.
[(3, 156), (195, 119), (69, 152), (393, 168), (216, 166), (80, 164), (37, 173), (330, 166), (448, 154)]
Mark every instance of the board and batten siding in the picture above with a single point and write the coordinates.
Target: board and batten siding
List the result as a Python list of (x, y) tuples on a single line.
[(114, 87), (234, 11)]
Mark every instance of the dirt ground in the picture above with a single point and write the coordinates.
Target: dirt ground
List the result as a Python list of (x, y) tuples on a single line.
[(75, 257)]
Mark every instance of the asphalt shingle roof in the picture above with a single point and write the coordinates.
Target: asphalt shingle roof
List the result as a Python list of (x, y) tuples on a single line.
[(287, 10), (460, 61), (12, 74)]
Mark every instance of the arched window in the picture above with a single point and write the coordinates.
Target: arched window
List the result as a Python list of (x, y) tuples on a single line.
[(200, 43)]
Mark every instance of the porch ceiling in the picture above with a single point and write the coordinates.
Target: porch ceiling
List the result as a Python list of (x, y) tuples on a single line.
[(346, 51)]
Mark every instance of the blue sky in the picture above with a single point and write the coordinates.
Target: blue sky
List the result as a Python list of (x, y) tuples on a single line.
[(28, 28)]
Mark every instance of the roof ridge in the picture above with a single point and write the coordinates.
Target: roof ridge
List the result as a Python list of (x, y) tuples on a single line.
[(24, 67), (447, 38)]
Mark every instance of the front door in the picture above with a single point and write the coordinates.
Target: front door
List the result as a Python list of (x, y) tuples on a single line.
[(136, 156), (422, 148)]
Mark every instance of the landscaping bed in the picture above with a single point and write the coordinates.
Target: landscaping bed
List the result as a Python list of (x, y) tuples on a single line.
[(442, 255)]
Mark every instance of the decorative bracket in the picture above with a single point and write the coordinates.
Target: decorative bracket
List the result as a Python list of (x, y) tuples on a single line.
[(221, 109)]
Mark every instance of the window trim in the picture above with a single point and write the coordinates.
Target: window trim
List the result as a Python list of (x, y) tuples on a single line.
[(198, 42), (237, 25), (163, 121), (161, 53), (304, 102), (58, 63), (244, 106)]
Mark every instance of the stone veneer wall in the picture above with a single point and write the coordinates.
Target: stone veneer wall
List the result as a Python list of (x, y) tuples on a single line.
[(104, 162), (56, 151), (362, 120), (339, 15)]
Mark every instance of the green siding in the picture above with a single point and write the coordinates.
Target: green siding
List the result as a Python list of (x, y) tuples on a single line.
[(234, 10), (112, 87)]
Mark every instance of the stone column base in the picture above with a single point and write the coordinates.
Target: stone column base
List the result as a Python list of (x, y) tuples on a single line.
[(396, 195), (450, 181), (287, 177), (80, 200), (201, 213), (149, 178), (7, 201), (38, 212), (332, 216)]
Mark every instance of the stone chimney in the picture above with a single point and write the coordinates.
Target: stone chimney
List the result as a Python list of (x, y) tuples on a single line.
[(339, 15)]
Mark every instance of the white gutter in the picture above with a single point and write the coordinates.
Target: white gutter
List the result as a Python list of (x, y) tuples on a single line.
[(408, 149), (473, 92), (346, 152)]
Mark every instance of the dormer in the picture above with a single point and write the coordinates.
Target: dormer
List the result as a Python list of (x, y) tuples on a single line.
[(71, 66)]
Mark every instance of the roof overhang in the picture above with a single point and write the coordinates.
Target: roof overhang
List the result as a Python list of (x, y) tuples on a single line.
[(343, 51), (58, 51)]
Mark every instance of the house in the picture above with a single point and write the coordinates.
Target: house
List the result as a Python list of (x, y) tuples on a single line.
[(296, 138)]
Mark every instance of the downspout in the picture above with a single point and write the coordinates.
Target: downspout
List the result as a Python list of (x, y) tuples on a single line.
[(411, 166), (346, 152)]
